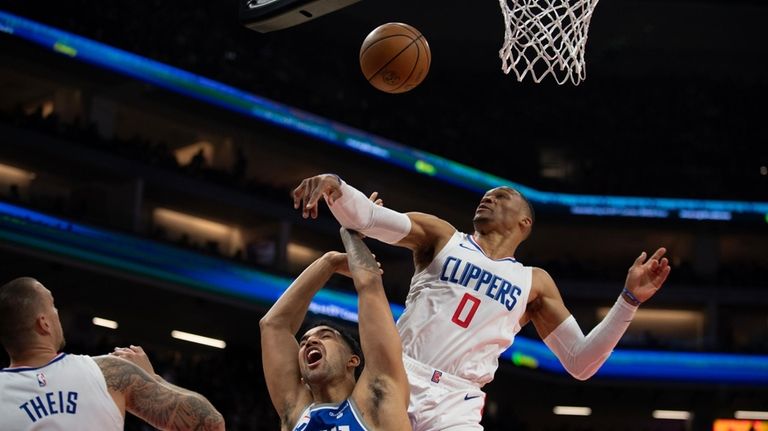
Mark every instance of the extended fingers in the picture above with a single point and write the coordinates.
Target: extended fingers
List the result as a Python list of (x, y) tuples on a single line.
[(298, 194), (640, 259), (315, 193), (301, 196), (655, 261), (663, 272), (659, 253), (374, 197), (381, 270), (123, 352), (663, 266), (128, 351)]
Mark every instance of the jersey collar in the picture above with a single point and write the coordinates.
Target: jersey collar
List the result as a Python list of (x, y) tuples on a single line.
[(57, 358), (480, 249)]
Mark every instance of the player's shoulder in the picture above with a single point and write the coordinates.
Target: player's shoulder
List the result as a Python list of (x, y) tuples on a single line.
[(542, 284), (541, 278), (105, 359), (76, 357), (113, 366)]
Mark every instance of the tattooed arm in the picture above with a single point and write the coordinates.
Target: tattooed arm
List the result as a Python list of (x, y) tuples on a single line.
[(138, 356), (161, 405), (383, 385)]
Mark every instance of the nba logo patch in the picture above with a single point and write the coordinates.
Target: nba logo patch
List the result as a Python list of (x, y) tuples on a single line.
[(436, 376), (41, 379)]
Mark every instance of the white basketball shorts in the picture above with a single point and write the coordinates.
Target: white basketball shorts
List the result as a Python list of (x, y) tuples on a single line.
[(440, 401)]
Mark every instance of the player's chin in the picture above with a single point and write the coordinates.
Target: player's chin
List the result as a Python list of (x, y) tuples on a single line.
[(313, 376), (480, 218)]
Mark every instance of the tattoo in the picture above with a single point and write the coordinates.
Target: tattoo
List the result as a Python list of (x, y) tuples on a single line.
[(159, 404), (358, 254)]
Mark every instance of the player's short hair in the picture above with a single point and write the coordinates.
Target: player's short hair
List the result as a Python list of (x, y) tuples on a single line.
[(528, 203), (19, 305), (349, 340)]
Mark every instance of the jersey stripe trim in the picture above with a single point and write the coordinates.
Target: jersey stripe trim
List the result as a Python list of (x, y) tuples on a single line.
[(359, 417), (58, 357), (477, 246)]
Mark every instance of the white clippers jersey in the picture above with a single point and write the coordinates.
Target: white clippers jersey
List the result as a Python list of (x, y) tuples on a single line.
[(68, 393), (464, 310)]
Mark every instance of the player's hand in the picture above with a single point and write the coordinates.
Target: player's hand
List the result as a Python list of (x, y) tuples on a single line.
[(309, 192), (645, 277), (374, 197), (340, 264), (136, 355)]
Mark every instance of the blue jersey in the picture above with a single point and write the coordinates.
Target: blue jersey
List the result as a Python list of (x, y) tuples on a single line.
[(331, 417)]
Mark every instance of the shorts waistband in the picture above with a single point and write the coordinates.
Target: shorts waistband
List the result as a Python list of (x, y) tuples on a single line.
[(437, 376)]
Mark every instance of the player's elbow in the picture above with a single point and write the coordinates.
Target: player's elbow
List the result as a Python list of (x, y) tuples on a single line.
[(264, 322), (582, 371), (581, 374), (215, 422), (218, 423), (269, 322), (209, 418)]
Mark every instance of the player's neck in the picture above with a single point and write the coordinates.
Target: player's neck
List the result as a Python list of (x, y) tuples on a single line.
[(33, 357), (497, 245), (332, 393)]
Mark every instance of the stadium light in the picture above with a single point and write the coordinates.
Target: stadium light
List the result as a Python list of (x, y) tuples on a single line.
[(106, 323), (680, 415), (572, 411), (199, 339), (751, 414)]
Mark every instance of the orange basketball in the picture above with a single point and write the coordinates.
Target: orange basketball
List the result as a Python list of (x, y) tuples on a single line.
[(395, 57)]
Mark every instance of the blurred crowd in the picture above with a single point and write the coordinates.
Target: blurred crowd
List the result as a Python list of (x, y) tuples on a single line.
[(745, 274), (663, 135)]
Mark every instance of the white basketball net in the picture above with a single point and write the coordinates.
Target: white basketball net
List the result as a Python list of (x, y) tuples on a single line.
[(546, 37)]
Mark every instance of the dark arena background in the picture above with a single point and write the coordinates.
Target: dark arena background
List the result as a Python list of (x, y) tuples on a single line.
[(148, 150)]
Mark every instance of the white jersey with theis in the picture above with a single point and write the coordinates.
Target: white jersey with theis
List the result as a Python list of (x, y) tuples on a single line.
[(68, 393), (464, 309)]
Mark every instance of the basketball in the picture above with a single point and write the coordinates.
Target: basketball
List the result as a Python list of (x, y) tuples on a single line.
[(395, 57)]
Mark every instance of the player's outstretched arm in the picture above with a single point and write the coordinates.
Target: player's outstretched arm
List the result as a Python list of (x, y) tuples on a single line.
[(138, 356), (416, 231), (279, 348), (160, 405), (583, 355), (383, 384)]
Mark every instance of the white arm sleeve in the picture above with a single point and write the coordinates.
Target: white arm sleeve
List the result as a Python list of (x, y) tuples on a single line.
[(355, 211), (583, 356)]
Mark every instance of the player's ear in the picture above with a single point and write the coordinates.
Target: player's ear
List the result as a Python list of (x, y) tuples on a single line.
[(526, 225), (42, 325), (525, 222), (354, 361)]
